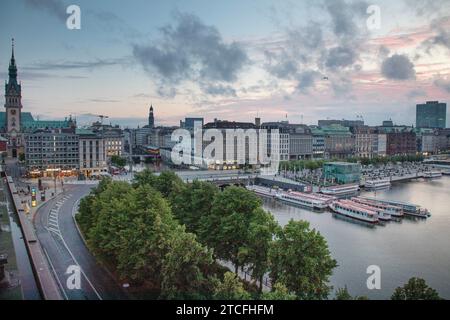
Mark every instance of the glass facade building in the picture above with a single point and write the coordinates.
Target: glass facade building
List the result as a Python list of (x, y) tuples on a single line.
[(431, 115), (342, 172)]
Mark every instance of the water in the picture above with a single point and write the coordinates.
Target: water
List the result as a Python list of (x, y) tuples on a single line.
[(404, 249)]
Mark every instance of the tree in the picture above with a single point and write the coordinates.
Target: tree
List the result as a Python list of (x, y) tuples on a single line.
[(226, 229), (118, 161), (231, 289), (343, 294), (415, 289), (261, 230), (300, 260), (193, 204), (279, 292), (144, 177), (168, 183), (186, 267)]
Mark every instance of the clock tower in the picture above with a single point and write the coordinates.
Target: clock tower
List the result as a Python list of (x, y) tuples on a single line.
[(13, 106)]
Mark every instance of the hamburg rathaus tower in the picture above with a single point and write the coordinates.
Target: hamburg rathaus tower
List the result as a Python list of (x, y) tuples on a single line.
[(13, 106)]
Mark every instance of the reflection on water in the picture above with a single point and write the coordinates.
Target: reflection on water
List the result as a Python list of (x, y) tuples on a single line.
[(405, 248)]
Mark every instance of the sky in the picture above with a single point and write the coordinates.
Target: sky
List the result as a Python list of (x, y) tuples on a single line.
[(301, 60)]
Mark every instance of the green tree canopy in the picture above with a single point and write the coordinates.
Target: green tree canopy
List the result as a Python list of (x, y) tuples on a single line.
[(231, 289), (415, 289), (300, 260), (279, 292)]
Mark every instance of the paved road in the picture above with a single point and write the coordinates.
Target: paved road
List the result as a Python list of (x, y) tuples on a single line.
[(58, 235)]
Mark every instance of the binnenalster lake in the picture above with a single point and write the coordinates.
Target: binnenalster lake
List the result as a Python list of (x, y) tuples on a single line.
[(404, 249)]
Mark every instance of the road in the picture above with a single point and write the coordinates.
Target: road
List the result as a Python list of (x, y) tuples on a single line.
[(60, 239)]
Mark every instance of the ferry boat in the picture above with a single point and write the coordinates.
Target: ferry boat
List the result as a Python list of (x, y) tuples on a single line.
[(263, 191), (341, 191), (377, 184), (408, 209), (394, 211), (309, 200), (354, 210), (432, 174)]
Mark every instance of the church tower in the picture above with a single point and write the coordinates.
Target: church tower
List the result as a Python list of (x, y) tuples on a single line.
[(13, 98), (151, 118)]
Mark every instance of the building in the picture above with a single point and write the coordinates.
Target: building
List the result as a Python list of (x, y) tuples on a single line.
[(151, 118), (113, 137), (283, 140), (92, 153), (189, 123), (431, 115), (318, 142), (343, 123), (339, 142), (401, 143), (342, 172), (239, 151), (14, 123), (52, 152), (366, 140)]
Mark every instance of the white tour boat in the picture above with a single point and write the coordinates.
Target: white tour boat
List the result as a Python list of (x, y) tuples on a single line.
[(377, 184), (340, 191), (408, 209), (309, 200), (394, 211), (432, 174), (354, 210)]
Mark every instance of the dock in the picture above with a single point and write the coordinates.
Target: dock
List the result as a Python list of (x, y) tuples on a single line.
[(46, 282)]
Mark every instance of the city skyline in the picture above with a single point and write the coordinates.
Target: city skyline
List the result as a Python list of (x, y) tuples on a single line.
[(188, 59)]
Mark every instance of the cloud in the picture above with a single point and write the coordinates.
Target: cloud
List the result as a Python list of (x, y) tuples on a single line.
[(191, 51), (307, 80), (71, 65), (340, 57), (428, 7), (443, 84), (343, 16), (398, 67), (417, 93), (441, 35), (56, 8), (220, 90)]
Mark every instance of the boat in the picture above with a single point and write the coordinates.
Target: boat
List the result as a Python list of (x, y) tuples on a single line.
[(341, 191), (391, 210), (408, 209), (432, 174), (309, 200), (354, 210), (377, 184), (263, 191)]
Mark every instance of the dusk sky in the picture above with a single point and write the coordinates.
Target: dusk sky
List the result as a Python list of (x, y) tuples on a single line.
[(232, 60)]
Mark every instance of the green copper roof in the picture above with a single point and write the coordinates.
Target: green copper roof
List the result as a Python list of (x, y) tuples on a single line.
[(28, 123)]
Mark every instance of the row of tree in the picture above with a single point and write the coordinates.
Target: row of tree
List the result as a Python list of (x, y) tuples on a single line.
[(167, 236)]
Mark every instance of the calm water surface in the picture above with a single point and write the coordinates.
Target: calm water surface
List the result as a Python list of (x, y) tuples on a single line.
[(404, 249)]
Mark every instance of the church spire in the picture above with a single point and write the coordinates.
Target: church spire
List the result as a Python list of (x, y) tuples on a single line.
[(12, 66)]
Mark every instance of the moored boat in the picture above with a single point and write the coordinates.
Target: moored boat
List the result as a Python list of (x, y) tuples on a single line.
[(377, 184), (391, 210), (407, 208), (432, 174), (340, 191), (309, 200), (354, 210)]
